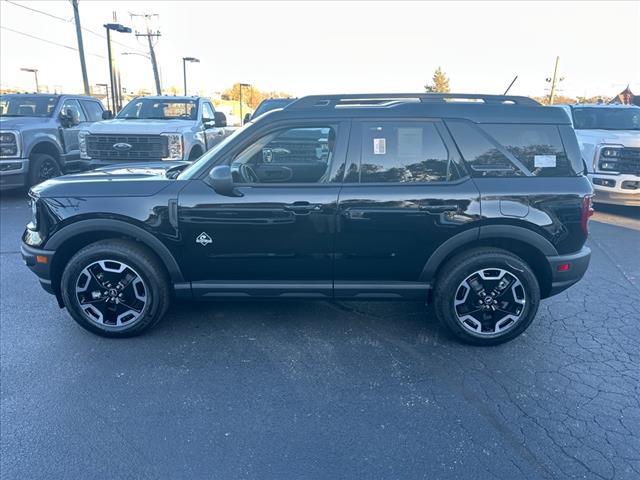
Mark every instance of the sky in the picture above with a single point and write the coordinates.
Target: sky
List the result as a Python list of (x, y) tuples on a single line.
[(334, 47)]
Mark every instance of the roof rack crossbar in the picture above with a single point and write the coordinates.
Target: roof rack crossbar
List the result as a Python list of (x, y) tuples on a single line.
[(369, 98)]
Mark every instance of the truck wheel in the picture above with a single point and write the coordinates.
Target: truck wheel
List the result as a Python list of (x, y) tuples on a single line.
[(42, 167), (115, 288), (486, 296)]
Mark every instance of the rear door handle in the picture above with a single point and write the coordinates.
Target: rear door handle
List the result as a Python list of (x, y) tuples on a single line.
[(447, 207), (303, 208)]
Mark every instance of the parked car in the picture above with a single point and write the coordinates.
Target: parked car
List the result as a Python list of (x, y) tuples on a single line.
[(267, 105), (154, 128), (39, 135), (479, 207), (609, 138)]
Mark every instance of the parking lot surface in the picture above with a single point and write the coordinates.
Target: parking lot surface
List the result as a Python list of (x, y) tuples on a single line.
[(325, 390)]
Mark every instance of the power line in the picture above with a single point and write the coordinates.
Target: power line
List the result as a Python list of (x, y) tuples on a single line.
[(47, 41), (65, 20)]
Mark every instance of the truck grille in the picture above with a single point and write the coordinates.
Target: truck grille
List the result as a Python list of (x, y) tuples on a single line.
[(628, 161), (143, 147)]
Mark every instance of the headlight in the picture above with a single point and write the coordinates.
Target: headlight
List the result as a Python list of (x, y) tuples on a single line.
[(610, 152), (174, 146), (607, 160), (82, 142), (33, 225), (10, 144)]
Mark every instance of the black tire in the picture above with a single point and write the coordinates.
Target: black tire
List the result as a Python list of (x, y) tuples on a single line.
[(138, 260), (42, 167), (451, 288)]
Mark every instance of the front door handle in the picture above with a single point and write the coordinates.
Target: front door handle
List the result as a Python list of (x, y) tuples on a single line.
[(446, 207), (303, 208)]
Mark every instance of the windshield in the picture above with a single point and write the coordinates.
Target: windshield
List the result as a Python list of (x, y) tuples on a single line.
[(27, 105), (161, 109), (603, 118), (195, 167)]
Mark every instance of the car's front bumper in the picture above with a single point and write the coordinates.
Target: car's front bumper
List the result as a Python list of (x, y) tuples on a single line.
[(562, 277), (39, 262), (623, 189), (13, 172)]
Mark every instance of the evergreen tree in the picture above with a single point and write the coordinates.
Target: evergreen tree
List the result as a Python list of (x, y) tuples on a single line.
[(440, 82)]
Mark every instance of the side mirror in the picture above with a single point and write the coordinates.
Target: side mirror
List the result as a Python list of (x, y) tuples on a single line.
[(220, 119), (222, 182), (107, 115), (247, 118)]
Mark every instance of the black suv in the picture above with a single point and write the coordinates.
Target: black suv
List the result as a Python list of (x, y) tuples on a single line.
[(477, 204)]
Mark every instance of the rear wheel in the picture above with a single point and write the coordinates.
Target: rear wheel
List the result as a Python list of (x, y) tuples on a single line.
[(115, 288), (42, 167), (486, 296)]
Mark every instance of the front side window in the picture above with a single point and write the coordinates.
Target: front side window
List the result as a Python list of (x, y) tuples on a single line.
[(291, 155), (403, 152), (72, 108), (27, 105), (160, 109), (93, 109), (207, 112)]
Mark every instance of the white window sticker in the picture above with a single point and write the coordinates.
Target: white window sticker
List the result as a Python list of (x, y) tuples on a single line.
[(544, 161), (379, 146)]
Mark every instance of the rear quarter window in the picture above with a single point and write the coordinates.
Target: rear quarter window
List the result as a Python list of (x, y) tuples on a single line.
[(512, 149)]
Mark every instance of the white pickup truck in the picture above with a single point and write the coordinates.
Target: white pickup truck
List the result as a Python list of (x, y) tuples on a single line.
[(609, 138)]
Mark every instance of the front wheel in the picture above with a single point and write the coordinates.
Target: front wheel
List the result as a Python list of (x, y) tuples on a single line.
[(115, 288), (42, 167), (486, 296)]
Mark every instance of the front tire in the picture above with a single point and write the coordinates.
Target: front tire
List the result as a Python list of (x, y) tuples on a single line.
[(42, 167), (115, 288), (486, 296)]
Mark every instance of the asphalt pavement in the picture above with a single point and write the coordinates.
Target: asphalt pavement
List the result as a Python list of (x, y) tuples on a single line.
[(320, 390)]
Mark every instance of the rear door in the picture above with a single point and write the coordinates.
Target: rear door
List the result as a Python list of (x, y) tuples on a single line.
[(405, 193)]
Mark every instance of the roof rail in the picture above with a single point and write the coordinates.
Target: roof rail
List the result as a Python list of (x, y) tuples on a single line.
[(386, 99)]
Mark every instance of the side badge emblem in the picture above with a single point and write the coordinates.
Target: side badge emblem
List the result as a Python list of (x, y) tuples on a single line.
[(204, 239)]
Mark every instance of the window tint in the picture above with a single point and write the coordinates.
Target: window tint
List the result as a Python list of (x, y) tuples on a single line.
[(93, 109), (207, 112), (403, 152), (538, 147), (294, 155), (76, 111)]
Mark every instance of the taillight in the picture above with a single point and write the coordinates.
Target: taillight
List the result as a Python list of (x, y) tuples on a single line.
[(586, 213)]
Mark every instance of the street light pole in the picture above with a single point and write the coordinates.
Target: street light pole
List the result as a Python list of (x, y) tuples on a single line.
[(240, 86), (184, 70), (35, 72), (112, 78)]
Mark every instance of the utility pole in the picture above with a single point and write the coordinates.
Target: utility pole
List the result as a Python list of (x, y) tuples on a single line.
[(554, 81), (152, 53), (83, 65)]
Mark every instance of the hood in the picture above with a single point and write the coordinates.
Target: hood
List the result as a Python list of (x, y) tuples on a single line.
[(22, 123), (140, 127), (131, 180), (627, 138)]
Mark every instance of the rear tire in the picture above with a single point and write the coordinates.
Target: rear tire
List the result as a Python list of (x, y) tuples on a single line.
[(115, 288), (42, 167), (486, 296)]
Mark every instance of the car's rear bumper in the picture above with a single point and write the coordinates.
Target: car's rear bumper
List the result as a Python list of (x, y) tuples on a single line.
[(39, 262), (567, 270), (13, 173)]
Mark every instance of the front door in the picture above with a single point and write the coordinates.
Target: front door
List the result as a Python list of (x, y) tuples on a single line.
[(276, 238), (70, 132), (405, 194)]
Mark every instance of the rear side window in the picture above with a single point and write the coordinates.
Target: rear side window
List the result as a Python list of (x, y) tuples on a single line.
[(493, 150), (538, 147), (403, 152), (93, 109)]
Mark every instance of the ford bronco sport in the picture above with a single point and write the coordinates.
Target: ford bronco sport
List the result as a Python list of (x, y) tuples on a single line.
[(477, 204)]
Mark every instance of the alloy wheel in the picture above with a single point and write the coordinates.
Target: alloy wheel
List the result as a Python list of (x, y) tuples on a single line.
[(489, 302), (111, 294)]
